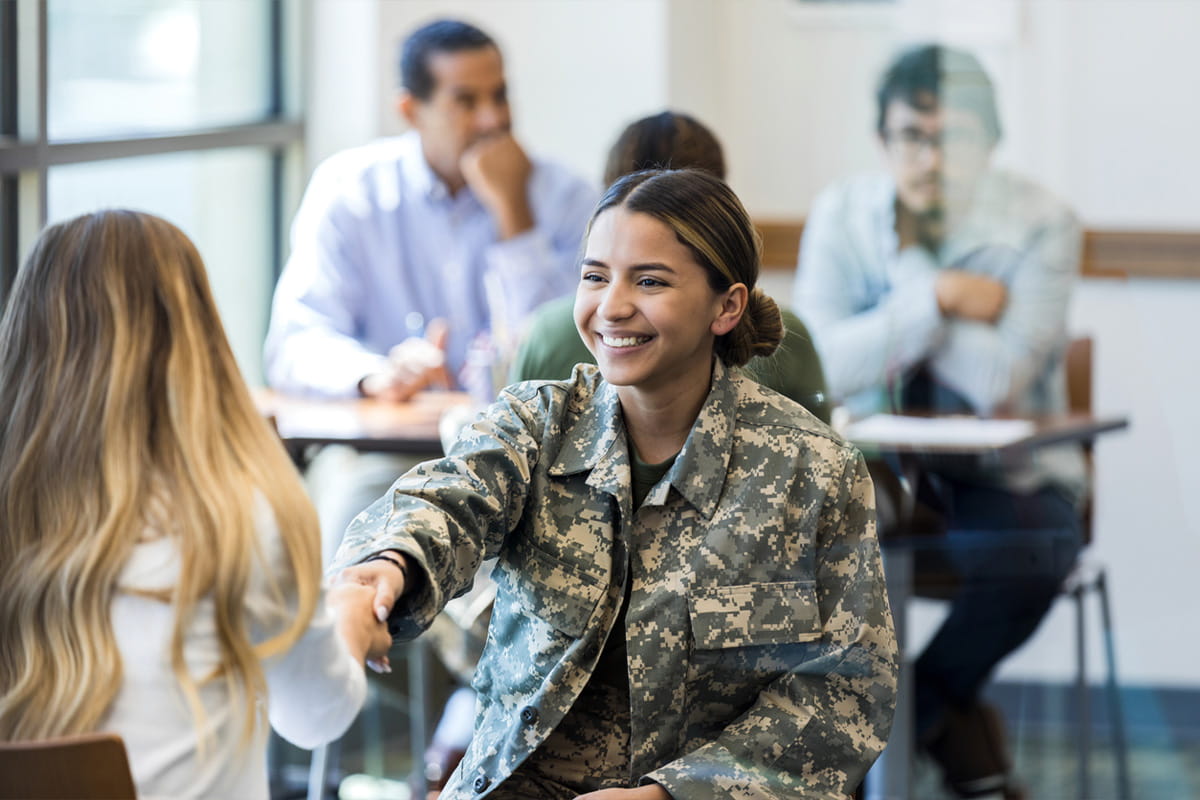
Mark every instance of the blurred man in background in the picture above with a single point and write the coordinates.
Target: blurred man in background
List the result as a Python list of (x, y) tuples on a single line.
[(942, 286)]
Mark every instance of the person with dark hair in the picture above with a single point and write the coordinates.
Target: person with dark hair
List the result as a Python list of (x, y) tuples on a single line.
[(549, 350), (690, 600), (551, 347), (405, 250), (943, 286), (667, 140)]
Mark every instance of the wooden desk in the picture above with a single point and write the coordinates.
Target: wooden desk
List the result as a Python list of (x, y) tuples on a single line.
[(368, 425), (891, 777), (1044, 431)]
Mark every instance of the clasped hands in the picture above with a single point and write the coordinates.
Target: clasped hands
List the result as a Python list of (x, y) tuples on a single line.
[(416, 363), (385, 583), (365, 635), (376, 586)]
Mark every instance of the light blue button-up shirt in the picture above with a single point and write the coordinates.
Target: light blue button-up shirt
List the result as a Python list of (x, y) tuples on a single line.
[(873, 311), (378, 236)]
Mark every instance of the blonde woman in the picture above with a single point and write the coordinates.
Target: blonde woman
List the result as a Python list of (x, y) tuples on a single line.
[(158, 557)]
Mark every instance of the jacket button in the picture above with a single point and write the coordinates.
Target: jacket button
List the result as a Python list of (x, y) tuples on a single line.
[(482, 783), (529, 715)]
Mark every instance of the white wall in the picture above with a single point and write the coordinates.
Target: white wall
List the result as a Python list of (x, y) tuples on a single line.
[(1099, 102), (578, 71), (342, 76), (1098, 99)]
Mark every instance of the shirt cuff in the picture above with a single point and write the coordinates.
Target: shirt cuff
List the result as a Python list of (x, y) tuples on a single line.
[(345, 374), (520, 256)]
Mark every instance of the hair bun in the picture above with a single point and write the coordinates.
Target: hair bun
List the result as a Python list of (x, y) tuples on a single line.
[(758, 333)]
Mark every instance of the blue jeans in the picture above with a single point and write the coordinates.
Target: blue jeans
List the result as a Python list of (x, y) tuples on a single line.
[(1006, 556)]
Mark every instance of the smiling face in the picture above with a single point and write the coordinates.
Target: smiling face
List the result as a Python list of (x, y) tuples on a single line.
[(645, 308)]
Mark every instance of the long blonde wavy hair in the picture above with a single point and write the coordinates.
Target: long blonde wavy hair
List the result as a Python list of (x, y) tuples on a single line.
[(120, 394)]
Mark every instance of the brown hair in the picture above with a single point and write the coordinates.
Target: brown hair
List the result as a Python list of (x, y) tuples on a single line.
[(707, 217), (668, 140)]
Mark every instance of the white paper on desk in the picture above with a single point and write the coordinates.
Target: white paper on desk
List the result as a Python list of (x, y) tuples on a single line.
[(901, 430)]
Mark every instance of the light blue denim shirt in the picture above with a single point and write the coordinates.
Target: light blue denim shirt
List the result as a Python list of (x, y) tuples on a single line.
[(874, 316), (378, 236)]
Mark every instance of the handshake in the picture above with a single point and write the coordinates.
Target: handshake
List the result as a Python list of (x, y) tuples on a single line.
[(416, 363)]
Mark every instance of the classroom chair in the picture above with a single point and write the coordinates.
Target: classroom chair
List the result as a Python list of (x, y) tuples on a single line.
[(1089, 577), (91, 766)]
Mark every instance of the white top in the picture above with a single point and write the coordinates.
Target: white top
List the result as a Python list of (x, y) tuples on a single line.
[(315, 689), (379, 239)]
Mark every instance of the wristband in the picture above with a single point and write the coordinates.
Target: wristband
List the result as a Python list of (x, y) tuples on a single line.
[(391, 560)]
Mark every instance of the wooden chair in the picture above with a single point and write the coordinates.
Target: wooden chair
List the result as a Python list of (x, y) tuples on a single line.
[(1089, 577), (92, 766)]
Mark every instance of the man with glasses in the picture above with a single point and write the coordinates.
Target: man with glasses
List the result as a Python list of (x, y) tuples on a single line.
[(942, 285)]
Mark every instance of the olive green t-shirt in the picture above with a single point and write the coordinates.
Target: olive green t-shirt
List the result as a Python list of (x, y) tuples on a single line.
[(552, 347)]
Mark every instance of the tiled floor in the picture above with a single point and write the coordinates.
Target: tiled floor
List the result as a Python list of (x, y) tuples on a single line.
[(1163, 730), (1048, 767)]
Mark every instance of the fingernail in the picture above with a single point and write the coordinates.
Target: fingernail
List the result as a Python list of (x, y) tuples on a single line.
[(381, 613)]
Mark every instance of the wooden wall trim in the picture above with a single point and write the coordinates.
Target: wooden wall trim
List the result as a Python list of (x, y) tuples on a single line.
[(1141, 254), (780, 242), (1106, 253)]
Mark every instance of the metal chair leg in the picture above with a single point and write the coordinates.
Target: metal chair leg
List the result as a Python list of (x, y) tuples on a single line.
[(418, 728), (372, 727), (1083, 742), (1115, 712), (323, 758)]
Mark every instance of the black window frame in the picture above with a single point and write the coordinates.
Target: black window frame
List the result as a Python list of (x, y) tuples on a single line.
[(279, 131)]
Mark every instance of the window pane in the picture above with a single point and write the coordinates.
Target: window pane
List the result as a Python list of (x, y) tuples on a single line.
[(219, 198), (8, 69), (123, 67)]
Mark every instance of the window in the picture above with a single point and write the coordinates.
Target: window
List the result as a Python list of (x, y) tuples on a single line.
[(176, 107)]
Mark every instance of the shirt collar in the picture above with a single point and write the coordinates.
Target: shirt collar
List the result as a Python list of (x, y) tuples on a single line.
[(596, 439), (417, 172), (597, 442), (700, 469)]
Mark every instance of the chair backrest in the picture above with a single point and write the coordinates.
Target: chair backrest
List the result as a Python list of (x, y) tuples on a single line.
[(1079, 401), (1079, 375), (92, 766)]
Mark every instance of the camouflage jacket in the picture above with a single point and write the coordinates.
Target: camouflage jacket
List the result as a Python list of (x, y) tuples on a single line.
[(761, 654)]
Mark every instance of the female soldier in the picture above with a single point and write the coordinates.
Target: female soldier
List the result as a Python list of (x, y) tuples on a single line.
[(690, 602)]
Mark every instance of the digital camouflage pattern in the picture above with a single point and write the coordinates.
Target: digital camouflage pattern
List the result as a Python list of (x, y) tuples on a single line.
[(761, 654)]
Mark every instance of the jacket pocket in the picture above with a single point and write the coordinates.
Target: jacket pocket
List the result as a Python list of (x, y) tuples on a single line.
[(754, 614), (553, 590)]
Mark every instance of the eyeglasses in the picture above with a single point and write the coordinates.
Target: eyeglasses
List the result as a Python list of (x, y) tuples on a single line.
[(911, 143)]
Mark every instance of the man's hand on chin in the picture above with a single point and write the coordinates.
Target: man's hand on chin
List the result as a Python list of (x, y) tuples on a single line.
[(497, 170)]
